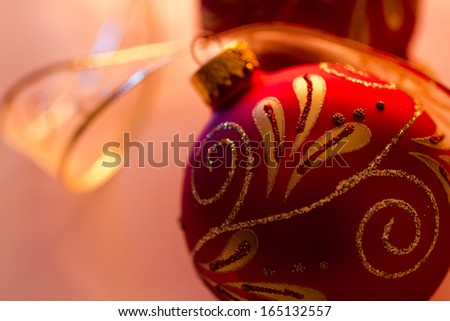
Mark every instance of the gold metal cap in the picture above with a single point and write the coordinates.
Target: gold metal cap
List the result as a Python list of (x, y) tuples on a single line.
[(226, 75)]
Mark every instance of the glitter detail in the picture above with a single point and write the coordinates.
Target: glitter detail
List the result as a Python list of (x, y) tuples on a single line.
[(242, 251), (228, 295), (339, 119), (303, 167), (310, 90), (436, 139), (268, 271), (226, 184), (323, 266), (440, 172), (238, 251), (342, 188), (332, 71), (283, 292), (265, 290), (355, 71), (268, 116), (278, 291), (298, 268), (307, 108), (248, 170), (359, 113), (385, 237), (328, 146), (388, 227), (273, 123), (213, 149), (273, 290), (394, 141), (380, 105)]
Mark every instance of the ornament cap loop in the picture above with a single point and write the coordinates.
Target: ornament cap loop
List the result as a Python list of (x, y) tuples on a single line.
[(226, 75)]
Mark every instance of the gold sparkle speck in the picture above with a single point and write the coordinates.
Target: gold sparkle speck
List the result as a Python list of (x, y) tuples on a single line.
[(298, 268), (268, 271)]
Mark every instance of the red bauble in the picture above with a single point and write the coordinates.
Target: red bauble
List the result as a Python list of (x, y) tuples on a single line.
[(319, 181), (384, 24)]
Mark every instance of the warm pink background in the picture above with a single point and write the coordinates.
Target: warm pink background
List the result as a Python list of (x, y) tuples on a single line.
[(121, 242)]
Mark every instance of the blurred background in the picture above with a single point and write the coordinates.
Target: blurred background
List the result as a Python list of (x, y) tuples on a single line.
[(122, 241)]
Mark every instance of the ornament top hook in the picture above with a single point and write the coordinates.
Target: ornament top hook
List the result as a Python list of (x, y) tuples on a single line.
[(226, 75), (203, 40)]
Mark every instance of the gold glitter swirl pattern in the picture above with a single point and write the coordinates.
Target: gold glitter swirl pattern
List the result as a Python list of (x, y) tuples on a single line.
[(430, 195), (239, 250), (414, 215), (206, 201), (385, 238), (269, 119), (210, 164), (387, 230), (268, 116), (247, 179), (366, 83), (342, 188)]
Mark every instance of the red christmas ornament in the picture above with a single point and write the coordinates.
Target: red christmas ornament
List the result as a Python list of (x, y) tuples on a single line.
[(383, 24), (318, 181)]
